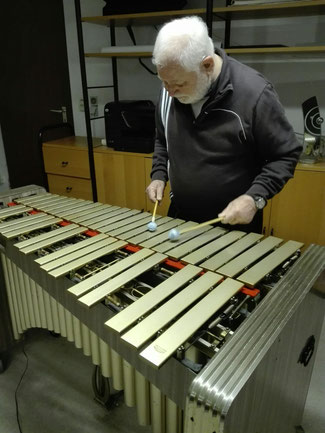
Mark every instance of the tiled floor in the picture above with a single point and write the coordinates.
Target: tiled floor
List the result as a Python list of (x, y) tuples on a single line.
[(55, 395)]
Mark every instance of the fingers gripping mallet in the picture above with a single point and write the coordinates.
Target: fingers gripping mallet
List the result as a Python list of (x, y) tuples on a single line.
[(152, 226), (174, 234)]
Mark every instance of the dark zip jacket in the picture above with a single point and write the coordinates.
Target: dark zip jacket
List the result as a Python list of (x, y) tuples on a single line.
[(240, 143)]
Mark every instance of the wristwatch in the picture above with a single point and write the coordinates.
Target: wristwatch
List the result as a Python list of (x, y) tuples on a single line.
[(260, 202)]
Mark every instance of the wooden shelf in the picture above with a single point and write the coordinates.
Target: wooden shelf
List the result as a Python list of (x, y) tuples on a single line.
[(278, 50), (238, 50), (270, 10), (120, 54)]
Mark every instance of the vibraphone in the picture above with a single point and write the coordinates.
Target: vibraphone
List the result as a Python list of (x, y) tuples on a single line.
[(211, 333)]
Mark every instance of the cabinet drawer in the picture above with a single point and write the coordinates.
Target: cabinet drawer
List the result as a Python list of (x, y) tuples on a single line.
[(66, 162), (70, 186)]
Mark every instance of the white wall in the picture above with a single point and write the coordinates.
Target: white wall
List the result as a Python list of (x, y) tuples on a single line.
[(296, 78)]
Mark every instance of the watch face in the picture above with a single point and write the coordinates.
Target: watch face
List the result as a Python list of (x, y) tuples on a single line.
[(260, 202)]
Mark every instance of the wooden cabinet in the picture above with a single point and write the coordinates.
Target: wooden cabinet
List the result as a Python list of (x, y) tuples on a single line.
[(67, 167), (120, 178), (298, 211)]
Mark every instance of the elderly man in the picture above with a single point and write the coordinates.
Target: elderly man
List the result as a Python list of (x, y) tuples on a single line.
[(223, 139)]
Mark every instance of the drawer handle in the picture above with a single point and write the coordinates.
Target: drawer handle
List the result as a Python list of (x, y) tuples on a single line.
[(64, 163), (68, 189)]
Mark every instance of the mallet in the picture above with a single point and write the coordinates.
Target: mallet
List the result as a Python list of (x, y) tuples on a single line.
[(174, 234), (152, 226)]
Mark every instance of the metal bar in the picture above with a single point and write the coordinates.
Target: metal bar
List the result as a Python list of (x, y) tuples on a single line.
[(267, 265), (143, 331), (121, 321), (40, 225), (85, 286), (114, 284), (50, 241), (230, 252), (69, 253), (21, 223), (13, 210), (48, 235), (213, 247), (192, 245), (18, 222), (235, 266), (114, 62), (86, 99), (76, 264), (164, 346)]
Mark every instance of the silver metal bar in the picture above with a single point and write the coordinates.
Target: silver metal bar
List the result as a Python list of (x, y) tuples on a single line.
[(135, 227), (67, 204), (103, 226), (76, 264), (47, 235), (37, 226), (100, 216), (142, 231), (69, 249), (100, 210), (13, 210), (114, 284), (231, 252), (213, 247), (151, 239), (164, 346), (143, 331), (89, 245), (31, 200), (125, 222), (236, 265), (53, 240), (85, 286), (121, 321), (253, 275), (198, 241), (85, 210), (22, 222)]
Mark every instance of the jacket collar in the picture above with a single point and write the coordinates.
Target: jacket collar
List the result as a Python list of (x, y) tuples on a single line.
[(223, 83)]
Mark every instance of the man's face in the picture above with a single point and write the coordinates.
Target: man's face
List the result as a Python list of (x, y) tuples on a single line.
[(187, 86)]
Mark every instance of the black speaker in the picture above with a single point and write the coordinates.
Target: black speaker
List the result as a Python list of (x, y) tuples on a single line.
[(312, 118)]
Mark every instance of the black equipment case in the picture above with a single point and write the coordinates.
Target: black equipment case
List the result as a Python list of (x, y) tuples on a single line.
[(130, 125), (117, 7)]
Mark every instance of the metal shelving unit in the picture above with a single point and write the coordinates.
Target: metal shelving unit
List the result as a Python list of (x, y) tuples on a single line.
[(226, 14)]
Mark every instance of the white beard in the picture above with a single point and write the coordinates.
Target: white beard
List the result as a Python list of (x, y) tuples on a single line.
[(202, 86)]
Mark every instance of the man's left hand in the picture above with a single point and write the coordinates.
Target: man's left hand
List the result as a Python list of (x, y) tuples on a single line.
[(239, 211)]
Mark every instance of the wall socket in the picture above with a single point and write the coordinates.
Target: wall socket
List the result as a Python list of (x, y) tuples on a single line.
[(93, 100), (93, 103)]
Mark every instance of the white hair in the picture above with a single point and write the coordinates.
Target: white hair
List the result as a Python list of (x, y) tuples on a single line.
[(184, 41)]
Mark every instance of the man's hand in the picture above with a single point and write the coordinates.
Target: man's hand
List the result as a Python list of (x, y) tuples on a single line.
[(239, 211), (155, 190)]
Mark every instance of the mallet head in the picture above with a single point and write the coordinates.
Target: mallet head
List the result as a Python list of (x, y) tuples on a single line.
[(173, 234), (152, 226)]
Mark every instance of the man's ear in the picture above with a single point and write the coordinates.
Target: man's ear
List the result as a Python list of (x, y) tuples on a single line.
[(207, 65)]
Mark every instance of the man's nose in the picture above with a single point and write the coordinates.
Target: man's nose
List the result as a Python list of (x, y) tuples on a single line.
[(171, 90)]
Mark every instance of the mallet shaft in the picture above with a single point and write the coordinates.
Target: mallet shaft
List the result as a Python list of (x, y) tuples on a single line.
[(206, 223), (154, 212)]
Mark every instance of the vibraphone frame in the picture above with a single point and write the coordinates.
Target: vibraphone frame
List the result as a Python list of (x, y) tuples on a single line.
[(257, 372)]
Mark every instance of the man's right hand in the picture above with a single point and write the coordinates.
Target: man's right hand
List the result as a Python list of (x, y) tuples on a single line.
[(155, 190)]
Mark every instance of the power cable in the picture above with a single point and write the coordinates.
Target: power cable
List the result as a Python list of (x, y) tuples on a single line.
[(17, 388)]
